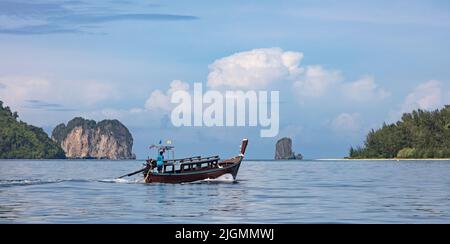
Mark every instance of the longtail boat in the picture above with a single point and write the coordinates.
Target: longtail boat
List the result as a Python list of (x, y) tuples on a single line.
[(193, 168)]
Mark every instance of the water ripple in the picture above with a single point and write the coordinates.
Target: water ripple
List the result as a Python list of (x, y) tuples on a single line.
[(264, 192)]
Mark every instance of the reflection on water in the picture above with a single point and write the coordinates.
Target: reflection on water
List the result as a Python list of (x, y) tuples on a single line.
[(66, 191)]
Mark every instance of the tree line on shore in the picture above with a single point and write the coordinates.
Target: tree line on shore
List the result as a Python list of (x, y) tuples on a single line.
[(419, 134)]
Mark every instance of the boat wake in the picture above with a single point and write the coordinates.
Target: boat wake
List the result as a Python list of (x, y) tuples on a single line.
[(226, 178), (123, 181), (29, 182), (26, 182)]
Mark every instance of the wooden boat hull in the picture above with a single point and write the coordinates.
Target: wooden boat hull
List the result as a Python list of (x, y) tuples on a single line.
[(230, 166)]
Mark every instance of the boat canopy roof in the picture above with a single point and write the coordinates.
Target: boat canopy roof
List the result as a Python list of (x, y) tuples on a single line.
[(162, 147)]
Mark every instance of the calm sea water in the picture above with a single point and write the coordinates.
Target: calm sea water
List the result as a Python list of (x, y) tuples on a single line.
[(71, 191)]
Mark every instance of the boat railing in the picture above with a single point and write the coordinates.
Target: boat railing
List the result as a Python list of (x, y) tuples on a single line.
[(190, 160), (208, 162), (182, 159)]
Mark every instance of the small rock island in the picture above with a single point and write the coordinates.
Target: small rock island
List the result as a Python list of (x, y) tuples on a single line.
[(283, 150), (87, 139)]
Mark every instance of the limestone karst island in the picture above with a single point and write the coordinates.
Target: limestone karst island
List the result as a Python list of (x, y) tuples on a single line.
[(79, 139), (107, 139), (283, 150)]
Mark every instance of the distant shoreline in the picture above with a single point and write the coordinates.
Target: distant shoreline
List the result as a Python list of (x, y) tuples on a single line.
[(386, 159), (354, 159), (317, 159)]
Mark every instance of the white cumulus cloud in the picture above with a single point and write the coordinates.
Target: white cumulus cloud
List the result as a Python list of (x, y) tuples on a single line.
[(346, 122), (316, 81), (160, 100), (260, 68), (364, 89), (427, 96), (254, 69)]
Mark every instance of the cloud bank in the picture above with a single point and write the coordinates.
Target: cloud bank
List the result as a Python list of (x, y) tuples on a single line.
[(42, 93), (266, 67)]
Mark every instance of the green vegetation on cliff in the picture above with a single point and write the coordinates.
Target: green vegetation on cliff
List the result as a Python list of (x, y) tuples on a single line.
[(420, 134), (18, 140)]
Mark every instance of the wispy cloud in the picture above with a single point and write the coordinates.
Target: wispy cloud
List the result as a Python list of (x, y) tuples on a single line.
[(32, 8), (33, 18), (38, 30), (94, 19), (39, 104)]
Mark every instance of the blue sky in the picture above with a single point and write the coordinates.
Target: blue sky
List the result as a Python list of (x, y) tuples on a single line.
[(364, 62)]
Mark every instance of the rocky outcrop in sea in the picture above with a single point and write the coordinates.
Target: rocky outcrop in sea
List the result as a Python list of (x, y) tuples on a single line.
[(283, 150), (107, 139)]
